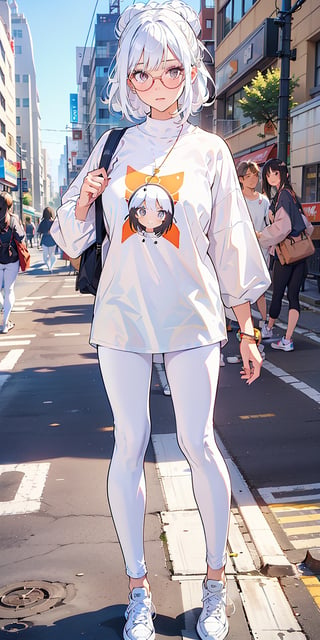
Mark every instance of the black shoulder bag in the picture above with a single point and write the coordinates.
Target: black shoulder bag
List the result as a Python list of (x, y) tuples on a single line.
[(91, 259)]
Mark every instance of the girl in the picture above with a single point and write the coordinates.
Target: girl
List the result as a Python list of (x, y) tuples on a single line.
[(10, 230), (287, 218), (47, 242), (166, 297), (258, 205), (151, 210)]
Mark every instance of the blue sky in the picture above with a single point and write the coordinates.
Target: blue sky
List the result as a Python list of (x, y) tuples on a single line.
[(57, 28)]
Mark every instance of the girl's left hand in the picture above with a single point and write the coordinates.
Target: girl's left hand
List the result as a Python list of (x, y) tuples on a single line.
[(252, 361)]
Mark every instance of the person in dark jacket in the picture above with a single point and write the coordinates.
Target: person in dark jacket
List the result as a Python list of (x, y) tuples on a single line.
[(47, 242), (30, 231), (10, 230)]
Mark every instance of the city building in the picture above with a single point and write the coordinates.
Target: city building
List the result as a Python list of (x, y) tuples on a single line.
[(247, 41), (8, 167), (27, 107), (89, 114)]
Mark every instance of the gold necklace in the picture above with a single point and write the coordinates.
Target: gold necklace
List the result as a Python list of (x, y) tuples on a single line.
[(154, 177)]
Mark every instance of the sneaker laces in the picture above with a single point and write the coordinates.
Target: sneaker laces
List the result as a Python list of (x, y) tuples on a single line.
[(213, 603), (140, 611)]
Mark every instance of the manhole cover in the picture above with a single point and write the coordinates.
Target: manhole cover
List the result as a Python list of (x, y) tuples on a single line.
[(22, 599)]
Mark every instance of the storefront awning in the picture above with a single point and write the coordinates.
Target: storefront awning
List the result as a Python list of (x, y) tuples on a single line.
[(260, 156)]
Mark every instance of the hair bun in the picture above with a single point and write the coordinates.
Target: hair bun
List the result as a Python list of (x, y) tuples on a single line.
[(177, 6)]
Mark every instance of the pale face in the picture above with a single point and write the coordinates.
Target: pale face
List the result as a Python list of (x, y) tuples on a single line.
[(273, 177), (164, 85), (150, 219)]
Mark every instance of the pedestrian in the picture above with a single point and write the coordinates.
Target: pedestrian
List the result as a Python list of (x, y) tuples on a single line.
[(30, 231), (258, 205), (287, 217), (10, 230), (47, 242), (163, 286)]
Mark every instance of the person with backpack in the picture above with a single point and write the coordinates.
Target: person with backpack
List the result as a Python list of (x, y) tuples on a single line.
[(169, 270), (10, 230)]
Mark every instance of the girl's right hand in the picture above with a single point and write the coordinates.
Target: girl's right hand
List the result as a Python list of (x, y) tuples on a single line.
[(93, 185)]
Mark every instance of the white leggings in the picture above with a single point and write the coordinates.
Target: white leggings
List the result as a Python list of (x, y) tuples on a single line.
[(49, 256), (192, 376), (8, 276)]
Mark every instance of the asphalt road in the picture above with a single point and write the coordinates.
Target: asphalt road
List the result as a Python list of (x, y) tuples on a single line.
[(56, 533)]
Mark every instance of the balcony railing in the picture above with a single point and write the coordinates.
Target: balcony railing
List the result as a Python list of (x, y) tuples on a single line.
[(226, 127)]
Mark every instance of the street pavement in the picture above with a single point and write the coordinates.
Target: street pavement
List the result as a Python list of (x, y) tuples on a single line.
[(56, 533)]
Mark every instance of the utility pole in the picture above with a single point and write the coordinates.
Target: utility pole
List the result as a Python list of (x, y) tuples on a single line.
[(286, 54)]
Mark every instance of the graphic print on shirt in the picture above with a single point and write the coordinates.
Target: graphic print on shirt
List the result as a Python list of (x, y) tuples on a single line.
[(151, 201)]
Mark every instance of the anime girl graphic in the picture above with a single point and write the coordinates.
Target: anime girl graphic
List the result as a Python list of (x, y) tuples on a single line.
[(164, 300), (151, 210)]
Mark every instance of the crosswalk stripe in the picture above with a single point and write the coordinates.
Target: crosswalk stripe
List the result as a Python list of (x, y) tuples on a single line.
[(10, 360)]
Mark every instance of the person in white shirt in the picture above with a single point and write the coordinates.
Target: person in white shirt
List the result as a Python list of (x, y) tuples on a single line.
[(258, 205), (166, 293)]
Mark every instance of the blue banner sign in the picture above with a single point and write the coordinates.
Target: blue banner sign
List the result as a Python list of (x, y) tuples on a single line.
[(73, 107)]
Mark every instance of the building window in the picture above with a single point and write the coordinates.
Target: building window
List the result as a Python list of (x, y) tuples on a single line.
[(209, 4), (317, 66), (17, 78), (234, 114), (18, 121), (101, 72), (2, 102), (2, 128), (103, 114), (25, 78), (18, 49), (209, 24), (232, 13), (2, 51), (311, 183), (25, 102), (17, 33), (17, 102), (2, 76)]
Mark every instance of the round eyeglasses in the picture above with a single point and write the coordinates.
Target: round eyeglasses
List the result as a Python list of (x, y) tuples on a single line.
[(171, 78)]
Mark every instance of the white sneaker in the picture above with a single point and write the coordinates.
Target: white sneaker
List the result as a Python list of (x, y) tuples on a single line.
[(213, 622), (139, 615), (266, 332), (7, 327), (283, 344)]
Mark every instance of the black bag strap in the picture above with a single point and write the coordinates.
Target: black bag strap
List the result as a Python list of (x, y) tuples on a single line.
[(109, 148)]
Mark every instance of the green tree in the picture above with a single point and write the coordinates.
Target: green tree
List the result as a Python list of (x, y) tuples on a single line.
[(27, 199), (261, 99)]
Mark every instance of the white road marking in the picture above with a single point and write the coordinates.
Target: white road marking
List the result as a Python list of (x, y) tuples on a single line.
[(74, 295), (298, 493), (66, 335), (28, 496), (297, 384), (10, 360), (23, 336), (14, 343)]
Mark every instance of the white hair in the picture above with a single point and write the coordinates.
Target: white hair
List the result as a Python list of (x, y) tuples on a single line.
[(150, 30), (151, 195)]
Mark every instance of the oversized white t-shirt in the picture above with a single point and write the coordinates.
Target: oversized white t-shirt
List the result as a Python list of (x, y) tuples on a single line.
[(167, 293)]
